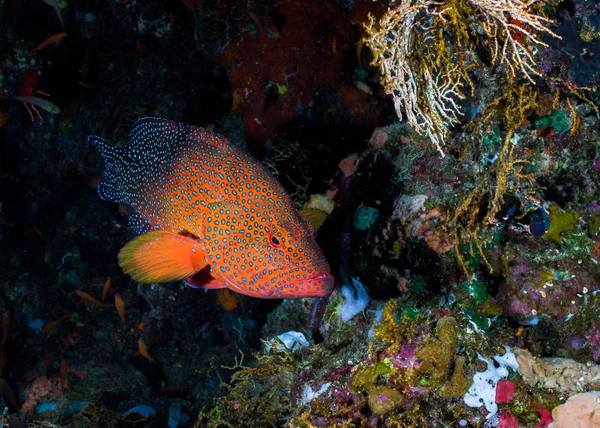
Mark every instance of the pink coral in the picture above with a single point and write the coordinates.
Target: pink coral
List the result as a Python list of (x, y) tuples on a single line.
[(378, 139), (405, 358), (507, 420), (42, 389), (348, 165), (545, 419), (505, 391)]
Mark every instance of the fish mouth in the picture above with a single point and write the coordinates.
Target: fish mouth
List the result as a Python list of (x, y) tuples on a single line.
[(317, 286)]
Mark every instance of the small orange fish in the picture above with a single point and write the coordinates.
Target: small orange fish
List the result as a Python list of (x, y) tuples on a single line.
[(105, 288), (86, 85), (85, 296), (258, 22), (5, 328), (143, 350), (120, 305), (64, 381), (49, 327), (359, 48), (52, 40)]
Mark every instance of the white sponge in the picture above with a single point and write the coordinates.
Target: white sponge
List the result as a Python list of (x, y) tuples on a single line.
[(483, 390), (353, 306)]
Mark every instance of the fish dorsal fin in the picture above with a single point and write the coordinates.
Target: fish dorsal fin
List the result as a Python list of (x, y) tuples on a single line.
[(154, 138)]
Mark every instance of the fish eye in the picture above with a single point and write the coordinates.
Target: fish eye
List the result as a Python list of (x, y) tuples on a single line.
[(274, 241)]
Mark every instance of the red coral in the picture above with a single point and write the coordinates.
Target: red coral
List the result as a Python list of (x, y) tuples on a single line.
[(507, 420), (505, 391), (280, 68), (545, 418)]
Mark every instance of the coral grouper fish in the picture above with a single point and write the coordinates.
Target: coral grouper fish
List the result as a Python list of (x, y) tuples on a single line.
[(208, 213)]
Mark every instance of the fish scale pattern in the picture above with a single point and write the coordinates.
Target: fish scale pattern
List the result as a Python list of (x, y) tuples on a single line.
[(187, 180)]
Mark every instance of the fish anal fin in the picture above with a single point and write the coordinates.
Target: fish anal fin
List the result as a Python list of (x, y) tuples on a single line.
[(161, 256), (204, 279)]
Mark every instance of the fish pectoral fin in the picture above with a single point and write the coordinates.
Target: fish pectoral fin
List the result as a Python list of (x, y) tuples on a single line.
[(204, 279), (161, 256)]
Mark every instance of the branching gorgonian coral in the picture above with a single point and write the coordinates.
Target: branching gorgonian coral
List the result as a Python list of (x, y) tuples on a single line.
[(424, 50)]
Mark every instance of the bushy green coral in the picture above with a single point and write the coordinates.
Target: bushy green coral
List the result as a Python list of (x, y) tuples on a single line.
[(459, 382)]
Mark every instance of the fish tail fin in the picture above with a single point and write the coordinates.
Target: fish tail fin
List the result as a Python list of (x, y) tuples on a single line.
[(161, 256), (110, 187)]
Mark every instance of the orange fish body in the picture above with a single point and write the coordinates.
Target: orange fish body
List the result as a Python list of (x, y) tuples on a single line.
[(120, 305), (52, 40), (143, 350), (210, 214), (85, 296), (105, 288), (49, 327)]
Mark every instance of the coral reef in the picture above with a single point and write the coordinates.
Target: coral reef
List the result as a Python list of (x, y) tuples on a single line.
[(445, 266)]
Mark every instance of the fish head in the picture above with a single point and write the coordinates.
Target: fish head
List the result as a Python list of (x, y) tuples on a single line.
[(265, 254)]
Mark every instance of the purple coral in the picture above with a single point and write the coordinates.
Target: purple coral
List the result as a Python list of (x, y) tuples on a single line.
[(405, 358)]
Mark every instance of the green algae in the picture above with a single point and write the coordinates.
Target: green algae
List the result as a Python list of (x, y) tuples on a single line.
[(560, 223), (477, 290), (382, 399), (493, 137), (489, 308), (559, 121), (366, 376), (594, 227)]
